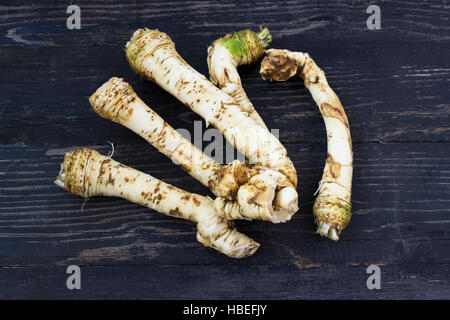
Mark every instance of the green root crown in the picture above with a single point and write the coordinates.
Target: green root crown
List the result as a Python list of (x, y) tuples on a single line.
[(247, 43)]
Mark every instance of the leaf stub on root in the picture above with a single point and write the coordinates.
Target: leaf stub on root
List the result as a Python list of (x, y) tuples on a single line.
[(246, 45), (226, 54)]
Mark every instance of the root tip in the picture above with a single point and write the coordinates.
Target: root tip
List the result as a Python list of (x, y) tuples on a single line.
[(326, 230)]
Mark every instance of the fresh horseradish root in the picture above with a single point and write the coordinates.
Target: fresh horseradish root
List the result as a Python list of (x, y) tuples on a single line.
[(117, 101), (270, 193), (152, 55), (229, 52), (332, 208), (87, 173)]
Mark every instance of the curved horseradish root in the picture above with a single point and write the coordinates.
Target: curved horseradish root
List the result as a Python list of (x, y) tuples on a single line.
[(229, 52), (117, 101), (271, 192), (332, 208), (87, 173)]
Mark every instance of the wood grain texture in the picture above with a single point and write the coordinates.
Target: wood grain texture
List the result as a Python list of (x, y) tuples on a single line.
[(410, 281), (393, 84), (109, 22), (400, 220)]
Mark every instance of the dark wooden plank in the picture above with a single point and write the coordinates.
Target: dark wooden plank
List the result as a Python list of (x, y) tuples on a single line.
[(393, 83), (400, 198), (43, 23), (410, 281), (44, 94), (389, 93)]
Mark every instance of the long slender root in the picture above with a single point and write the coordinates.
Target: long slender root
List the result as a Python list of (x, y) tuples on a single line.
[(332, 208), (86, 173), (117, 101)]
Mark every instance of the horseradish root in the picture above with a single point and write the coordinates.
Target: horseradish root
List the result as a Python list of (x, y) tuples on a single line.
[(117, 101), (152, 55), (87, 173), (332, 208), (227, 53)]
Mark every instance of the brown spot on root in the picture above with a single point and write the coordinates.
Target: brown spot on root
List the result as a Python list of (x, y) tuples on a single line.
[(230, 224), (101, 173), (334, 111), (185, 166), (157, 187), (242, 174), (186, 197), (212, 184), (277, 67), (349, 139), (333, 167), (130, 111), (205, 166), (111, 179), (230, 177), (227, 75), (223, 104), (196, 202), (175, 212), (252, 200)]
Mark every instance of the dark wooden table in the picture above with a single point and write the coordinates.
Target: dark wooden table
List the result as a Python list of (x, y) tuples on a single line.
[(393, 83)]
